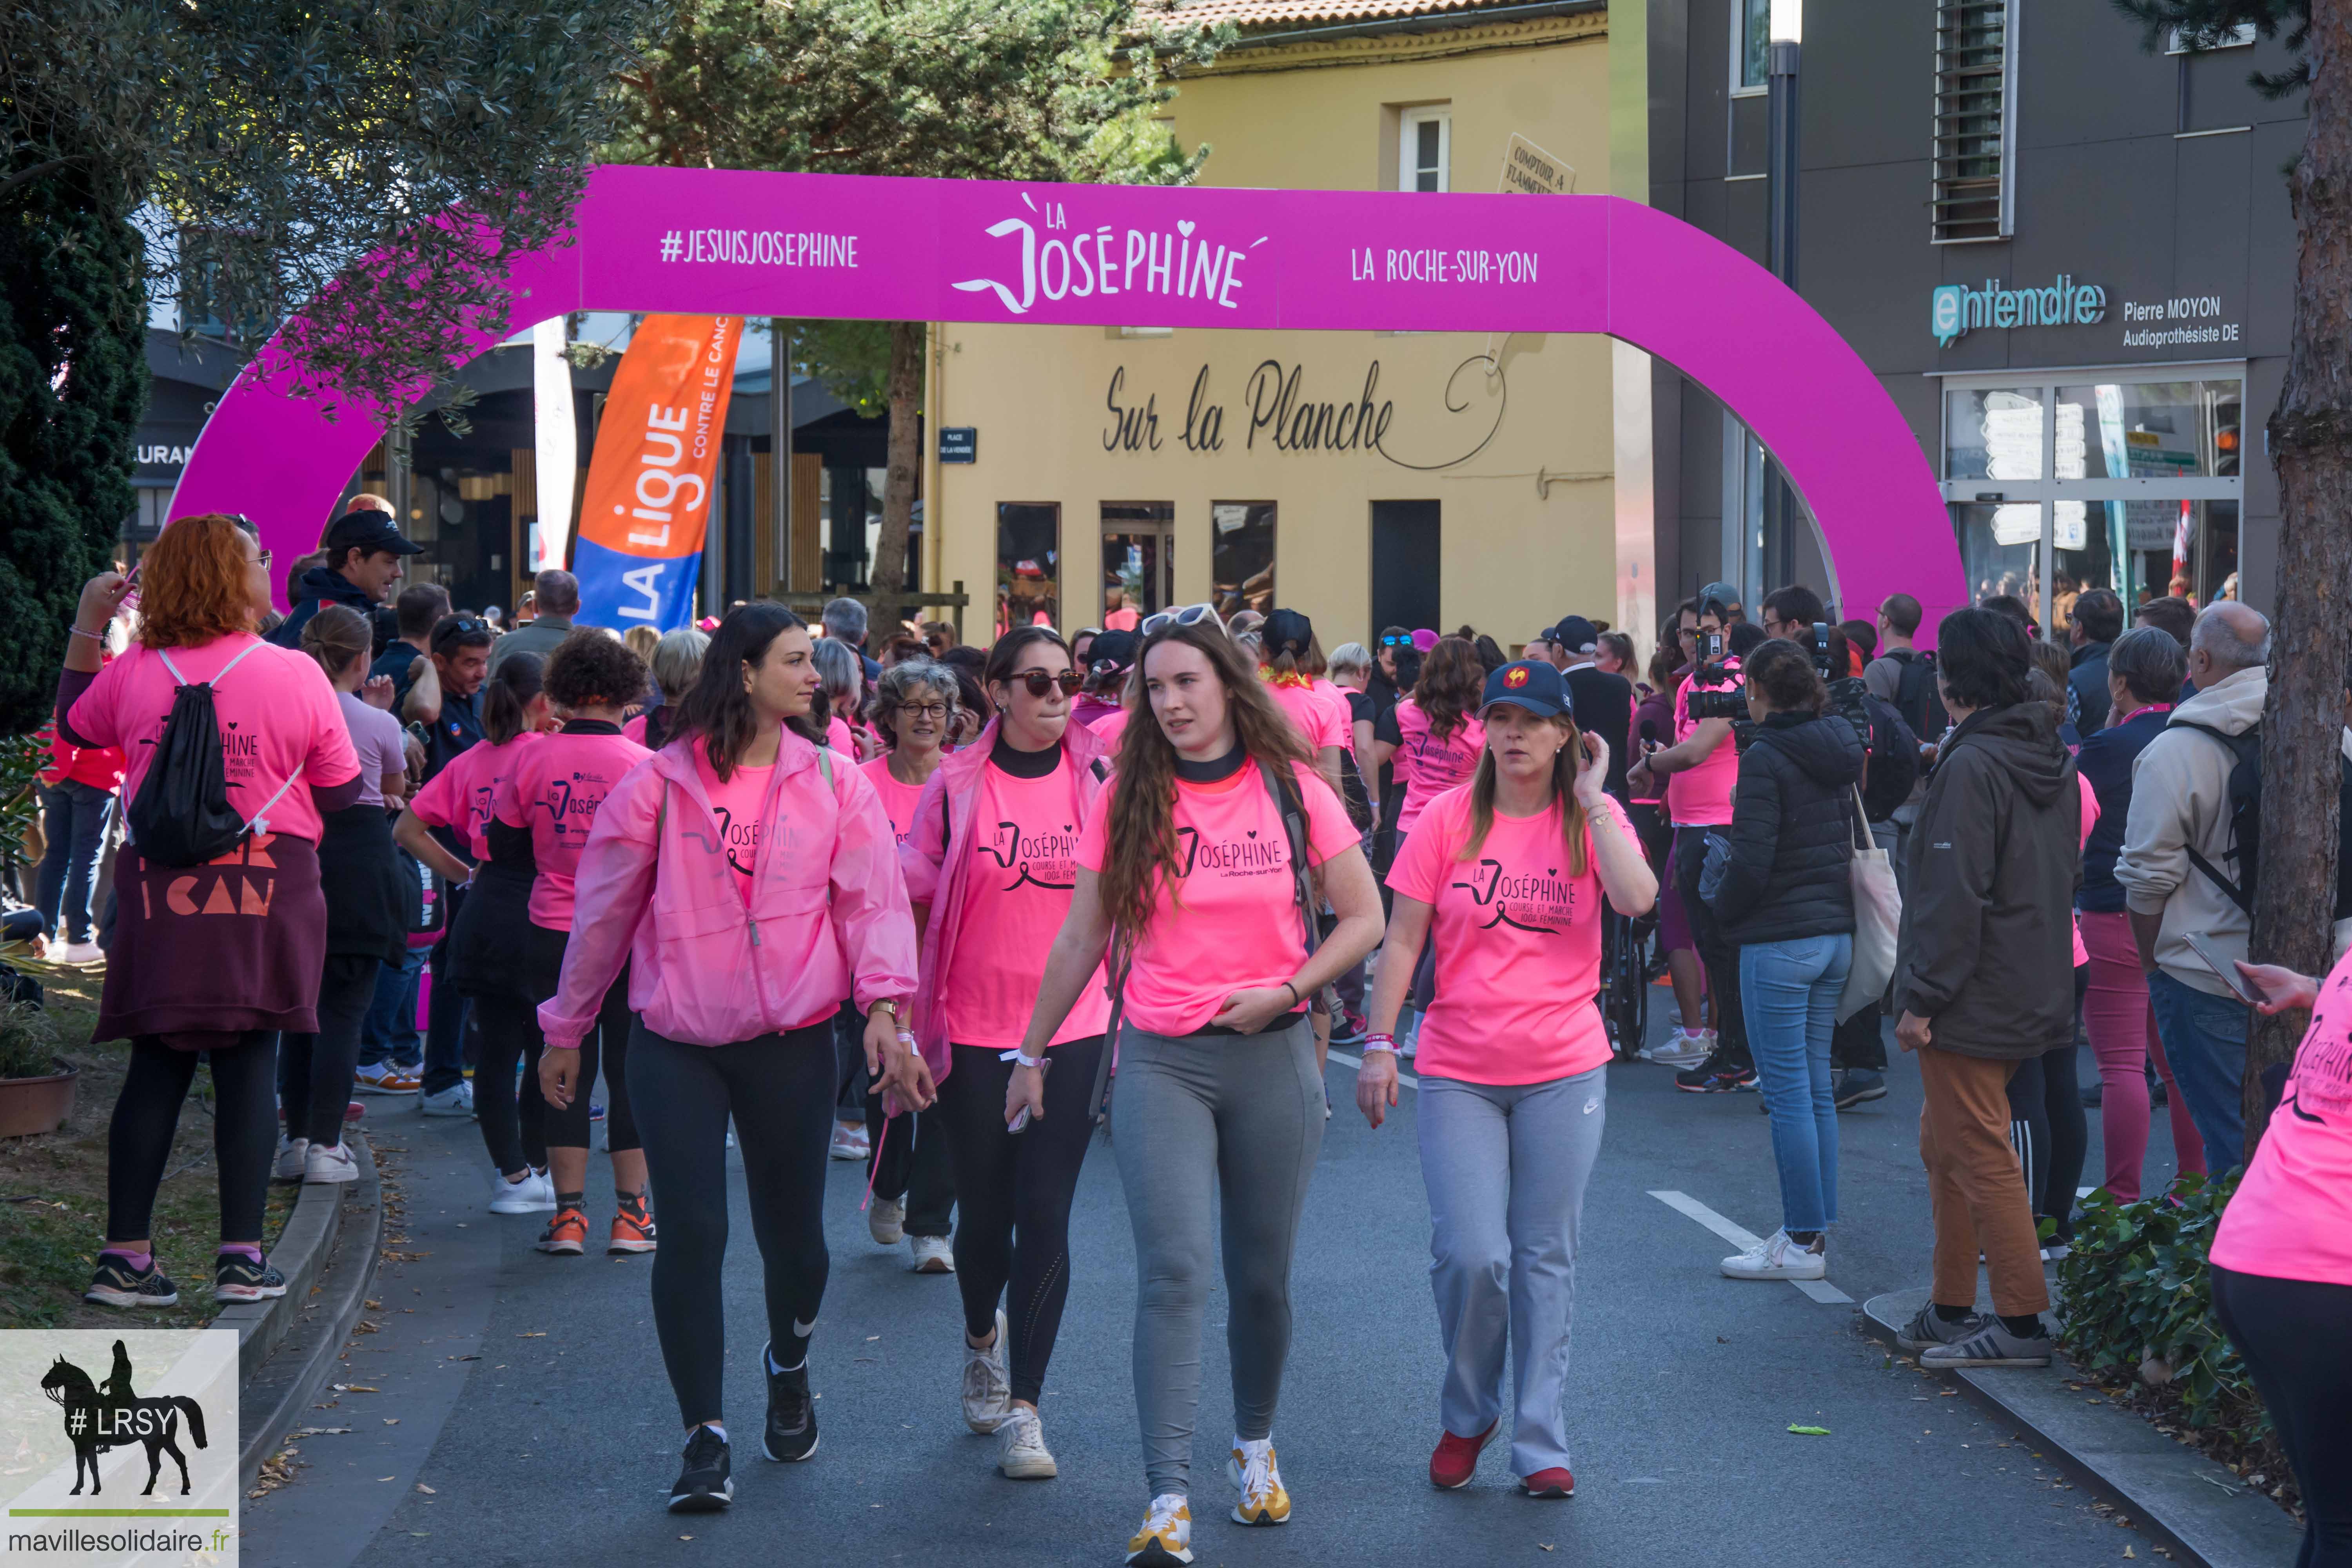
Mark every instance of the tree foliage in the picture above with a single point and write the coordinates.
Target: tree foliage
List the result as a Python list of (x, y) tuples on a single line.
[(2202, 23), (997, 90)]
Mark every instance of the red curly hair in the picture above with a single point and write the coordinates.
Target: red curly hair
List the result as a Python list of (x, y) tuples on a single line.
[(192, 585)]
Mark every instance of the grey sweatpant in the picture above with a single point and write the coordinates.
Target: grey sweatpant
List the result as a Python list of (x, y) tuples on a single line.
[(1506, 1168), (1243, 1112)]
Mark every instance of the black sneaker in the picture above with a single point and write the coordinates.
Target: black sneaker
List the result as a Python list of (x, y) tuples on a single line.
[(117, 1284), (236, 1277), (1716, 1075), (1930, 1329), (1349, 1028), (703, 1484), (790, 1434), (1858, 1086)]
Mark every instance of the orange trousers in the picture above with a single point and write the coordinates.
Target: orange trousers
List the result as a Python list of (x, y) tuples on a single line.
[(1975, 1189)]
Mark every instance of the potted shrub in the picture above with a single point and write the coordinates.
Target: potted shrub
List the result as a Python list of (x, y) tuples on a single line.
[(36, 1086)]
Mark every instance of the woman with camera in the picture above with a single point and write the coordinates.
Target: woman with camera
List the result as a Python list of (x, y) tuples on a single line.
[(1785, 898)]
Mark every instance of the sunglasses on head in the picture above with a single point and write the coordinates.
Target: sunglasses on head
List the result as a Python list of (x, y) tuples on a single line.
[(1190, 615), (1040, 682)]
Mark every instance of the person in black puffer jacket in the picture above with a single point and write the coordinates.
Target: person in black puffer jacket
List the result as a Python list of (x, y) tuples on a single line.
[(1786, 897)]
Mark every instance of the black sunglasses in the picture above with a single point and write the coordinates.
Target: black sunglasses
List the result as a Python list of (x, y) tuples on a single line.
[(1040, 682)]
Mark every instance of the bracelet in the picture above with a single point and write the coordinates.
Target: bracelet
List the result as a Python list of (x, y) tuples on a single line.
[(94, 636), (1295, 997), (1015, 1055), (1379, 1043), (906, 1039)]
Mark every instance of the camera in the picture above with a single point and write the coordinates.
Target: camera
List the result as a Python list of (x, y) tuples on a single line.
[(1845, 691), (1716, 691)]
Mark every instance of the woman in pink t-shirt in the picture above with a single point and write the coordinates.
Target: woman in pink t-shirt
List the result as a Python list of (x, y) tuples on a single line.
[(1200, 860), (218, 957), (1432, 735), (543, 815), (991, 867), (2282, 1259), (913, 708), (1508, 872)]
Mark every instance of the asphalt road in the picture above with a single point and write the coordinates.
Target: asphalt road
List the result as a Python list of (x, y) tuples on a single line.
[(558, 1444)]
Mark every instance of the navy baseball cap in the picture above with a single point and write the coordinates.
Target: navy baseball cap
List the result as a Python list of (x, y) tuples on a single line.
[(1531, 683), (1576, 634), (368, 530)]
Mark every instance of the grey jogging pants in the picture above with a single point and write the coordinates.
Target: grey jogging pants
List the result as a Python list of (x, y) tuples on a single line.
[(1241, 1111)]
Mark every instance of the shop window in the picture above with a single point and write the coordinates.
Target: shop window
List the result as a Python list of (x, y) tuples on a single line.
[(1751, 46), (2150, 429), (1241, 555), (1993, 433), (1425, 150), (1973, 194), (1999, 544), (1028, 564), (1138, 560)]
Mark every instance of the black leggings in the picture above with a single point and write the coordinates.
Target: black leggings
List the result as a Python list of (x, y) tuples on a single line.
[(147, 1114), (1716, 953), (567, 1128), (513, 1117), (1014, 1192), (779, 1089), (2047, 1128), (2292, 1336), (315, 1071)]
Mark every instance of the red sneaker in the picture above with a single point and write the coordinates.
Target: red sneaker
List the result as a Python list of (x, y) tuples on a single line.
[(1456, 1459), (1554, 1482)]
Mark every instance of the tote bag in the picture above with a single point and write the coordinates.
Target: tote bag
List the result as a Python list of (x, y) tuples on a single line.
[(1877, 918)]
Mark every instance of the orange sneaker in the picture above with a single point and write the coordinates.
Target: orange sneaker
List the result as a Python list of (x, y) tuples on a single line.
[(566, 1232), (633, 1226)]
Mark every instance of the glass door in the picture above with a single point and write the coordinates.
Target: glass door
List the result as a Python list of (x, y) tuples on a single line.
[(1139, 560)]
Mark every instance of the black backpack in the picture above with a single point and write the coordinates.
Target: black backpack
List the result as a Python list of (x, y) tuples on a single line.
[(181, 815), (1915, 696), (2244, 798)]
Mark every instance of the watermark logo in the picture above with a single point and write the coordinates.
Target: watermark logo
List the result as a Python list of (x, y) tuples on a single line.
[(125, 1446)]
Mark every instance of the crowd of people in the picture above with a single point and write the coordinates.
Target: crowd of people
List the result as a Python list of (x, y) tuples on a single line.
[(944, 909)]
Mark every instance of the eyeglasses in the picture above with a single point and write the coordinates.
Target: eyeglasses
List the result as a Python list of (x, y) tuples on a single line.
[(262, 559), (1400, 639), (1040, 682), (925, 710), (1190, 615)]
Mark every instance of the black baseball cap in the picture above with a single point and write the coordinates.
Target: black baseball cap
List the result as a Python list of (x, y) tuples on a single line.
[(1112, 650), (1531, 683), (1286, 631), (1576, 634), (369, 532), (1722, 594)]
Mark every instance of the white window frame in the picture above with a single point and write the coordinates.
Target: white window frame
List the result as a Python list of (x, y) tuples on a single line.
[(2240, 35), (1409, 123), (1739, 9)]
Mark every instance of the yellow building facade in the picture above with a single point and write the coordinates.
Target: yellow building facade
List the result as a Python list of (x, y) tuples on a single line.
[(1366, 479)]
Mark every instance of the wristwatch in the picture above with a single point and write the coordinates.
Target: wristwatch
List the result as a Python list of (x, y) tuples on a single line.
[(886, 1007)]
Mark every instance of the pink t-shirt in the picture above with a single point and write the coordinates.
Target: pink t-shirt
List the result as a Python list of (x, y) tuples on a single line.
[(1518, 947), (1337, 696), (1430, 764), (1311, 715), (1110, 727), (897, 799), (1701, 797), (735, 805), (1234, 920), (462, 794), (2291, 1217), (275, 712), (837, 736), (1016, 892), (2090, 820), (554, 791)]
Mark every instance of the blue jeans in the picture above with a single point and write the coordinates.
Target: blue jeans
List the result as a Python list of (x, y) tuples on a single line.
[(390, 1035), (2204, 1038), (1788, 991), (73, 819)]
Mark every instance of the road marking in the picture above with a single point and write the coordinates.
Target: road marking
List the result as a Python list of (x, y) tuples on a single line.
[(1821, 1290), (1403, 1077)]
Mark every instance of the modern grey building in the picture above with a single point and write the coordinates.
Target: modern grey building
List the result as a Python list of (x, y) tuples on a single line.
[(2069, 258)]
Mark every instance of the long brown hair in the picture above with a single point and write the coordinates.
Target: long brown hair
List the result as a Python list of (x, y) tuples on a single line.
[(717, 707), (1563, 797), (1141, 837), (192, 583), (1452, 679)]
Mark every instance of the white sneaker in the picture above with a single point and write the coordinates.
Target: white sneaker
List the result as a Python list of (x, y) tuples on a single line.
[(534, 1194), (849, 1142), (1166, 1536), (1778, 1258), (328, 1164), (886, 1222), (1021, 1451), (1255, 1476), (76, 953), (933, 1254), (1679, 1049), (987, 1390), (290, 1159), (456, 1101)]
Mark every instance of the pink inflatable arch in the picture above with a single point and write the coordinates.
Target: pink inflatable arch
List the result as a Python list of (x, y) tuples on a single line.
[(728, 242)]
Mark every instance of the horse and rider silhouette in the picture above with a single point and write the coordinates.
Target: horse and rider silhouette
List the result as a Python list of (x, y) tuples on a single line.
[(111, 1416)]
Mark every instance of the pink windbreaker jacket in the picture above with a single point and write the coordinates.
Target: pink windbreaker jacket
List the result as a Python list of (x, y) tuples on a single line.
[(937, 857), (828, 912)]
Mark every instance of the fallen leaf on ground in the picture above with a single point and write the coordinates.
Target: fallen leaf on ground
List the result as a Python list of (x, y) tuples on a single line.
[(392, 1420), (1810, 1431), (425, 1489)]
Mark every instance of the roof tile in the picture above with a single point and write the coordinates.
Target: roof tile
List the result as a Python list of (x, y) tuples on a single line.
[(1263, 13)]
